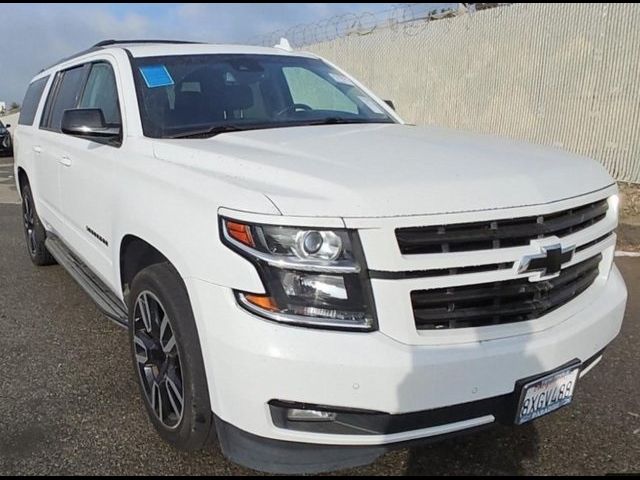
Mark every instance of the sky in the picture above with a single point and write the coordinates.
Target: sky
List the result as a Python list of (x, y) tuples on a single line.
[(35, 36)]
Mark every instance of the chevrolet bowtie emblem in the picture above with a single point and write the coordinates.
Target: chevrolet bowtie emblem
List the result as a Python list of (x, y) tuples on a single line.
[(549, 262)]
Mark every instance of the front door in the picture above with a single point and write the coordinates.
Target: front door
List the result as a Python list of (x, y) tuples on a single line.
[(88, 178)]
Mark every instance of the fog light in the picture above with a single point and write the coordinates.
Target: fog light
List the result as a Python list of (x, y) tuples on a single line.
[(299, 415)]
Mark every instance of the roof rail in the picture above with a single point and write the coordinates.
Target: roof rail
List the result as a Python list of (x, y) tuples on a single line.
[(107, 43), (71, 57)]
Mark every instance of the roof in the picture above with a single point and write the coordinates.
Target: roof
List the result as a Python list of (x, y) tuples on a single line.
[(156, 48)]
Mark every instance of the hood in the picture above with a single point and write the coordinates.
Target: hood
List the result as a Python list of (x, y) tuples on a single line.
[(380, 170)]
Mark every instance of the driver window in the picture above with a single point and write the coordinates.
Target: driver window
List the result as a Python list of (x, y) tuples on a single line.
[(309, 89), (101, 92)]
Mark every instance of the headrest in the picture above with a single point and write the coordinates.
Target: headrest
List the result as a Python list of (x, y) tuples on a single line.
[(238, 97)]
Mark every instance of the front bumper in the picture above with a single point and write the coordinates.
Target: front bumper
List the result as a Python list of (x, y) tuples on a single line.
[(251, 362), (278, 456)]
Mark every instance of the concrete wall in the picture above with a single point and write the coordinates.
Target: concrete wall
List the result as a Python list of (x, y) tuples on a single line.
[(558, 74)]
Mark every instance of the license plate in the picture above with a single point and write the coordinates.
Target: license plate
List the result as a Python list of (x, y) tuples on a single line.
[(547, 394)]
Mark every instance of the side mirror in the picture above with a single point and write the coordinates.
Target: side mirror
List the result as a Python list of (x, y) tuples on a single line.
[(8, 125), (88, 122), (390, 103)]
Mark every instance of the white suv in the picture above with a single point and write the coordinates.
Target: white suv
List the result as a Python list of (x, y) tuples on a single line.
[(302, 274)]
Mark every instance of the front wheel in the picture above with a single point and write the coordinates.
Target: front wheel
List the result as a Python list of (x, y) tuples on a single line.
[(167, 358)]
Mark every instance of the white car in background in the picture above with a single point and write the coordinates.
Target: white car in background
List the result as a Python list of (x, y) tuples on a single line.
[(302, 274)]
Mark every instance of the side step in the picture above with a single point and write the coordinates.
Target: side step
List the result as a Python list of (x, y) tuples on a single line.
[(104, 298)]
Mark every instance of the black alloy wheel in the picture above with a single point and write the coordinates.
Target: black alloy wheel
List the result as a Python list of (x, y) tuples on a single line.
[(158, 359)]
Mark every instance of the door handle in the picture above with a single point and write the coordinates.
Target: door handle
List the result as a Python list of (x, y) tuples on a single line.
[(37, 149), (66, 161)]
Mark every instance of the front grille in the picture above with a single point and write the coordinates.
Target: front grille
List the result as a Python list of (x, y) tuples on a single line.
[(500, 302), (464, 237), (590, 244)]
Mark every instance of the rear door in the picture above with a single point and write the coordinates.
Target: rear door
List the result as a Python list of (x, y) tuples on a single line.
[(48, 152), (26, 138)]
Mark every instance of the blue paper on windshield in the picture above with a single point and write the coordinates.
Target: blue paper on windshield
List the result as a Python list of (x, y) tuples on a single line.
[(156, 76)]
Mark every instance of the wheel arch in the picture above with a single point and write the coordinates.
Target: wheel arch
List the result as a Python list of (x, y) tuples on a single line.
[(136, 254), (23, 179)]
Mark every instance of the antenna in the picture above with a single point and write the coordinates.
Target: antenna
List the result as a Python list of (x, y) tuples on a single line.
[(284, 45)]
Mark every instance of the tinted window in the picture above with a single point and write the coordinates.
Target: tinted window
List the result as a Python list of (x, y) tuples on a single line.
[(101, 92), (31, 101), (189, 95), (66, 98)]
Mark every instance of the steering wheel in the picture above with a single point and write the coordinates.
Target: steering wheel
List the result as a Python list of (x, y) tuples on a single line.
[(293, 107)]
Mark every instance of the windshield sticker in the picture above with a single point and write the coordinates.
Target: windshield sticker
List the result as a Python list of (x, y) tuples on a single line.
[(340, 79), (371, 105), (156, 76)]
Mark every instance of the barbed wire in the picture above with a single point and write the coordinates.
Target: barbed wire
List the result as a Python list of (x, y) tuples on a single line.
[(410, 18)]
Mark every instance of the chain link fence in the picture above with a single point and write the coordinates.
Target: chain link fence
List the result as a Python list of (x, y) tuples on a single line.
[(413, 16), (566, 75)]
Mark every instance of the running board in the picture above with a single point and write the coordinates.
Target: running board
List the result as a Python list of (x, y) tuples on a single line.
[(104, 298)]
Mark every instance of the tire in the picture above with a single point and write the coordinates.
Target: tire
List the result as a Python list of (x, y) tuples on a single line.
[(167, 358), (34, 232)]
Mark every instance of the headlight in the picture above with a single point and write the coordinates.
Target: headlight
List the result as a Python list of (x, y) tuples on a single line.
[(313, 277), (614, 203)]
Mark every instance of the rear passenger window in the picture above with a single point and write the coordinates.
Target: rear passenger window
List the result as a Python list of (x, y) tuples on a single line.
[(66, 97), (31, 101), (101, 92)]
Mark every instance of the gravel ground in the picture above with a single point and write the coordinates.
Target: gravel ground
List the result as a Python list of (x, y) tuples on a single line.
[(629, 203), (70, 404), (629, 230)]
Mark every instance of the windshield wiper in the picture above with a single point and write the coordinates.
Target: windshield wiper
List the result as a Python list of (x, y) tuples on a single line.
[(210, 132), (342, 121), (217, 129)]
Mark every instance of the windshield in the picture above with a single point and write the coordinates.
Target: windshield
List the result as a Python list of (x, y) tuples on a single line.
[(202, 95)]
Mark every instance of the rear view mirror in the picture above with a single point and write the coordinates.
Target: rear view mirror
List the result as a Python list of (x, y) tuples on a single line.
[(88, 122)]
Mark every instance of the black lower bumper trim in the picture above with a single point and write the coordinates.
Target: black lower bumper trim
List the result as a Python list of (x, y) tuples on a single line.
[(297, 458)]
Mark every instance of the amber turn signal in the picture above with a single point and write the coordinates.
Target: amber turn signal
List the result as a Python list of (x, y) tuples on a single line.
[(263, 301), (240, 232)]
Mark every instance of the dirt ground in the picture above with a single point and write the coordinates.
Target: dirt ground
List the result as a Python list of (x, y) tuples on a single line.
[(629, 229)]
